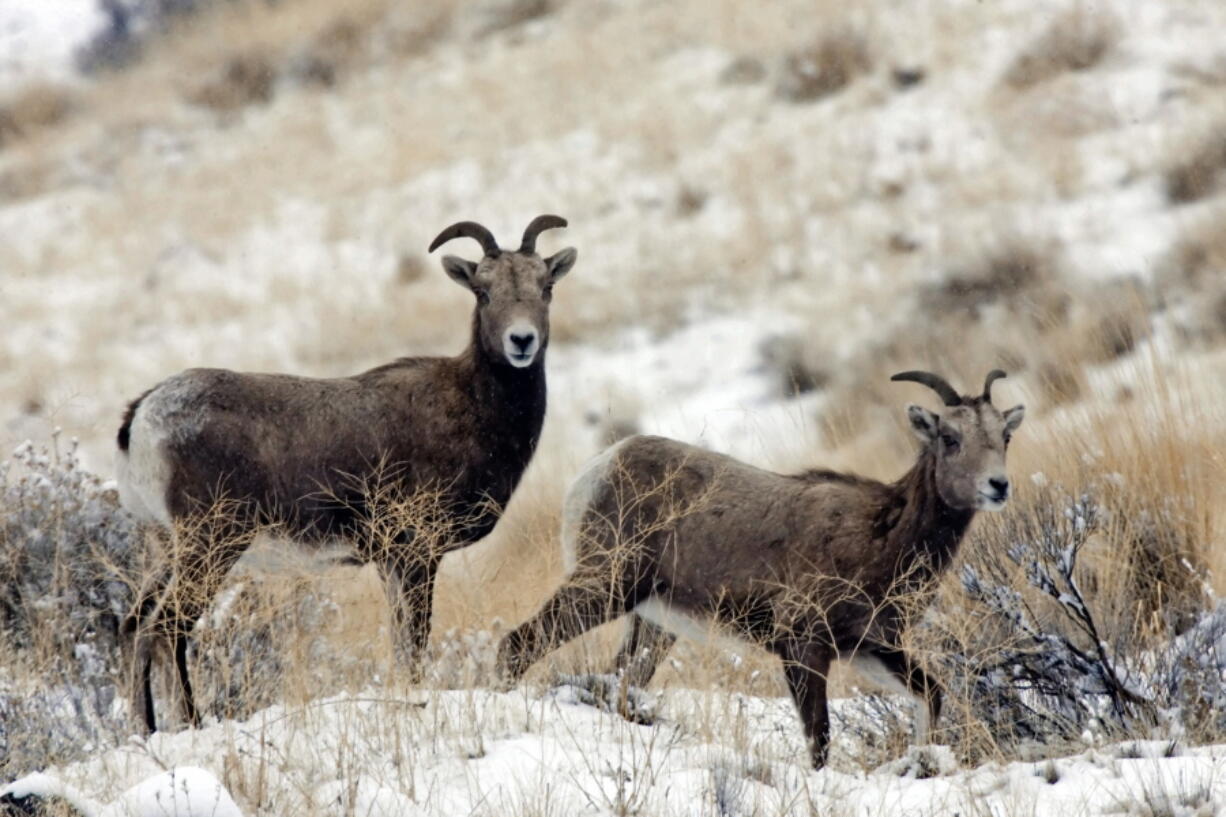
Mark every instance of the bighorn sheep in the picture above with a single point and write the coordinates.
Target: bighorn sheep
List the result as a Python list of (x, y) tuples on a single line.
[(812, 566), (210, 456)]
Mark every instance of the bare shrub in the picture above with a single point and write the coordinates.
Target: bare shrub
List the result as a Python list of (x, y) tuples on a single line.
[(245, 79), (799, 369), (1098, 619), (1059, 675), (329, 54), (265, 638), (66, 577), (1196, 173), (500, 15), (827, 66), (1077, 40), (1013, 270), (66, 550), (34, 108)]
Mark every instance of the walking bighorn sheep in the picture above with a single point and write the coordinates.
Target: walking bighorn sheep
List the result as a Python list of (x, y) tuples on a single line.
[(813, 566), (210, 457)]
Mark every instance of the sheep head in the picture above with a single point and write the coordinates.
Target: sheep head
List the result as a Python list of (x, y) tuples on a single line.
[(968, 440), (513, 288)]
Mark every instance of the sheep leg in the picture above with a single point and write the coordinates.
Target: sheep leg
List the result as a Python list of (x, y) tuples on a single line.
[(139, 682), (641, 652), (409, 585), (806, 666), (577, 607), (187, 701), (171, 602), (912, 680), (136, 636)]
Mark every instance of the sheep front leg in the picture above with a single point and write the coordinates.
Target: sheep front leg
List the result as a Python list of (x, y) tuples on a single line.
[(409, 584), (806, 666)]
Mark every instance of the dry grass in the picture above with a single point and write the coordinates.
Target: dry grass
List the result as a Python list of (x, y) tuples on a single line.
[(1077, 40), (33, 109), (832, 63), (1196, 166)]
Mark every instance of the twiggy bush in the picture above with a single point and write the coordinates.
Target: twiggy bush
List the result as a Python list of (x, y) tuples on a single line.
[(66, 573), (1047, 661), (66, 551), (1077, 40)]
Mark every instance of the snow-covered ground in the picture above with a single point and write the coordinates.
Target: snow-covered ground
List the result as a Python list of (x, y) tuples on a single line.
[(39, 37), (477, 752)]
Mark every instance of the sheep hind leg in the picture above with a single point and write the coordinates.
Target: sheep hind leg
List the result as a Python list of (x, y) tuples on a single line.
[(643, 649), (580, 605), (137, 647), (894, 669), (641, 652), (198, 561)]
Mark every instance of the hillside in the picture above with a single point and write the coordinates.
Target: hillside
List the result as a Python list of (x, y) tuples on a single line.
[(775, 209)]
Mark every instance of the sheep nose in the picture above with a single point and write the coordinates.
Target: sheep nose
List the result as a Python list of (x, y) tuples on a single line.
[(523, 341), (1000, 486)]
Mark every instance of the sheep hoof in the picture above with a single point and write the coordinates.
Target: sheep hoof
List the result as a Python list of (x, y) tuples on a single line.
[(608, 692)]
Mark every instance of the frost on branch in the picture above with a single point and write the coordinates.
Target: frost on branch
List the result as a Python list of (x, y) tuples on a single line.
[(1053, 672), (67, 555), (67, 551)]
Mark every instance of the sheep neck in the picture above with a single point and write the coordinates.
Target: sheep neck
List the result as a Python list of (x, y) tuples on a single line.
[(927, 530), (510, 401)]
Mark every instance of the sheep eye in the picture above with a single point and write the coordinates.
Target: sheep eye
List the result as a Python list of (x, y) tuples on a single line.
[(483, 297), (547, 292), (951, 442)]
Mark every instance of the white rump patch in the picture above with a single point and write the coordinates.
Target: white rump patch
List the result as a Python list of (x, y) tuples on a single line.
[(579, 498), (143, 472)]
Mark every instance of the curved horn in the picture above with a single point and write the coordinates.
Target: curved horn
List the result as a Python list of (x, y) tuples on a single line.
[(993, 376), (536, 227), (468, 229), (934, 382)]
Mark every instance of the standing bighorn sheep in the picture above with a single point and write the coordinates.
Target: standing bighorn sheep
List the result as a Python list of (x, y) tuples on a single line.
[(814, 566), (210, 457)]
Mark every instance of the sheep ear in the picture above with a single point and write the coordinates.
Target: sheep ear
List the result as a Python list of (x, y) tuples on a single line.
[(560, 263), (1014, 417), (460, 270), (924, 423)]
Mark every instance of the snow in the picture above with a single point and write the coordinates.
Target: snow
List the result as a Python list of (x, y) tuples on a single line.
[(706, 383), (478, 752), (38, 38), (185, 791)]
